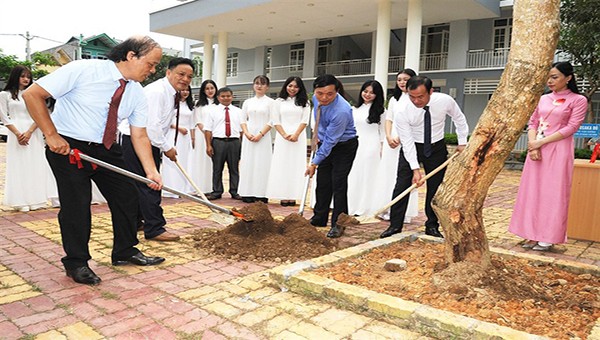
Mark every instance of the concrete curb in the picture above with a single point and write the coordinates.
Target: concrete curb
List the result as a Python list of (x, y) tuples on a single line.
[(415, 316)]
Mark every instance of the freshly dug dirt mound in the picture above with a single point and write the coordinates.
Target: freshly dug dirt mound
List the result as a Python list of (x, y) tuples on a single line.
[(265, 239)]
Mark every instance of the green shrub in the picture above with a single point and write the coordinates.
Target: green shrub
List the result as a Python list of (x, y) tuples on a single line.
[(583, 153), (451, 138)]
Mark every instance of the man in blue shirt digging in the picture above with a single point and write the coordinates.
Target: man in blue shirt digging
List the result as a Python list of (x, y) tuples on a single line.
[(337, 144)]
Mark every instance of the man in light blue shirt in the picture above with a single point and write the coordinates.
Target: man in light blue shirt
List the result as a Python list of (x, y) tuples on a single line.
[(86, 92), (334, 157)]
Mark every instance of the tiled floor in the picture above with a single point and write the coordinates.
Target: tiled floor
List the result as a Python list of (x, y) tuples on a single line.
[(190, 296)]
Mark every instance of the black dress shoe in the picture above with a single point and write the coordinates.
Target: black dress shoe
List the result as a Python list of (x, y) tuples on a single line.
[(212, 197), (237, 197), (433, 231), (335, 232), (390, 231), (83, 275), (317, 224), (139, 259)]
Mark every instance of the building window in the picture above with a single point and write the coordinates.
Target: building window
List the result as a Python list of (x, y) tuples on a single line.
[(86, 55), (232, 64), (297, 57), (324, 50), (502, 33)]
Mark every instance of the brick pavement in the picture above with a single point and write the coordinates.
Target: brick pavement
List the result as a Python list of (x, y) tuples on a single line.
[(191, 296)]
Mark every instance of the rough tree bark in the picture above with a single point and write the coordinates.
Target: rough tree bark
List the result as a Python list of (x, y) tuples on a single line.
[(459, 201)]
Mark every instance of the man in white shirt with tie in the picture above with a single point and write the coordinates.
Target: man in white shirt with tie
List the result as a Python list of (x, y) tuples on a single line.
[(222, 130), (421, 132), (163, 100)]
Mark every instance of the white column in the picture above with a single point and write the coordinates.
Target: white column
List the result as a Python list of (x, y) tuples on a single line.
[(413, 34), (382, 45), (310, 59), (207, 65), (222, 59)]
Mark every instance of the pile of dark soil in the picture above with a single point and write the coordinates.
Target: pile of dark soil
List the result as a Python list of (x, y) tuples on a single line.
[(265, 239), (538, 298)]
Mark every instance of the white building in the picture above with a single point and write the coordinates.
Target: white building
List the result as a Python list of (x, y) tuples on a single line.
[(462, 45)]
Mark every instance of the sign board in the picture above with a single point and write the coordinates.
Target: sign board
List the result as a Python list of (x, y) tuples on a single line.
[(588, 131)]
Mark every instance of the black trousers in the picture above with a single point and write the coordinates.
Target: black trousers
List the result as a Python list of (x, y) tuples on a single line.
[(404, 180), (226, 150), (149, 208), (75, 194), (332, 181)]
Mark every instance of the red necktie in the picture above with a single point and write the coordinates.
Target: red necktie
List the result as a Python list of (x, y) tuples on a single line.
[(227, 122), (110, 130)]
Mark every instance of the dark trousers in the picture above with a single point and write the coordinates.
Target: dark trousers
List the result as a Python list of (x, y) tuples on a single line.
[(75, 194), (226, 150), (404, 180), (149, 208), (332, 181)]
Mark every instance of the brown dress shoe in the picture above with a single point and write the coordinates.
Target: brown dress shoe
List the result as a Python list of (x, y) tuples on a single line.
[(165, 237)]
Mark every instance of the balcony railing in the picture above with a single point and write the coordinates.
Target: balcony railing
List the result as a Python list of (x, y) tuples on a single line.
[(345, 67), (283, 72), (487, 58)]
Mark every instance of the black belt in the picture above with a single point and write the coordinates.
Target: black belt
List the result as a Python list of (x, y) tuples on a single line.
[(441, 141), (93, 144), (226, 139)]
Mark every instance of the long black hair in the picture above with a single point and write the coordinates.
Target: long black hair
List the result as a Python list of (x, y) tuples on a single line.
[(14, 80), (202, 98), (189, 101), (377, 107), (566, 68), (301, 97), (397, 90)]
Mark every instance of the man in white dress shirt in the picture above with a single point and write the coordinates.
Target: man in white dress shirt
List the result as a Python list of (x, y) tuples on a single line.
[(162, 107), (432, 108), (86, 93), (222, 130)]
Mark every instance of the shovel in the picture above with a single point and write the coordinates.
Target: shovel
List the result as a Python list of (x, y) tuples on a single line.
[(145, 180), (408, 190), (221, 219), (305, 191)]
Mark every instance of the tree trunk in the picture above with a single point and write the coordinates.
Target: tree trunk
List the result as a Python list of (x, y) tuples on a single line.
[(459, 201)]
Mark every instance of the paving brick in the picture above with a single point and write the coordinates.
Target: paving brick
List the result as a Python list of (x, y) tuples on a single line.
[(51, 335), (126, 325), (257, 316), (201, 325), (279, 323), (10, 330), (155, 311), (39, 317), (80, 330), (209, 335), (109, 305), (196, 292), (16, 310), (242, 302), (157, 331), (222, 309), (341, 322), (386, 330), (47, 325), (233, 331), (287, 335), (311, 331)]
